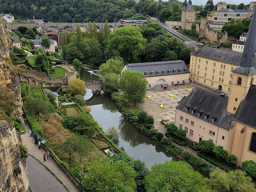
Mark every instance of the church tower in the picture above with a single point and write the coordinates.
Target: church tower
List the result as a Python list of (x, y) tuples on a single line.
[(244, 75)]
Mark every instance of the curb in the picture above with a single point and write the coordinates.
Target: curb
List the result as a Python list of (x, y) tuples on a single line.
[(51, 172)]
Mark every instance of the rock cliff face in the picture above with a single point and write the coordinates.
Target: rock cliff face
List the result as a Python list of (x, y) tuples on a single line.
[(13, 168)]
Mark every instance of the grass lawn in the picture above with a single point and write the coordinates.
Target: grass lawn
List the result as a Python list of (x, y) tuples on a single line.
[(192, 38), (72, 111), (27, 48), (32, 61), (59, 72)]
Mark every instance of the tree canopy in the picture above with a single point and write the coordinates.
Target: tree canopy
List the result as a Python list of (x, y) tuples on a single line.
[(134, 86), (46, 42), (77, 87), (110, 83), (113, 65)]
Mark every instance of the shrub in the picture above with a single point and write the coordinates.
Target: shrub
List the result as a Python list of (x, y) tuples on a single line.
[(178, 140), (180, 133), (206, 146), (191, 145), (149, 120), (232, 158), (220, 152), (164, 140), (142, 116), (249, 167), (154, 131), (87, 109), (61, 98), (23, 150), (69, 122), (89, 132), (171, 128), (159, 136), (36, 127)]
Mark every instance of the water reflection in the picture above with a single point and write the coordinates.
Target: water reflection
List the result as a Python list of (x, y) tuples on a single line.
[(86, 76), (135, 144)]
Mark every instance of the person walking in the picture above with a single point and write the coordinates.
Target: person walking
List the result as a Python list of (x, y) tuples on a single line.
[(39, 144), (48, 155), (44, 156)]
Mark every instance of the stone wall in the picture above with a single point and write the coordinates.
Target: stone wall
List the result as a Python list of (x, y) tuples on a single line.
[(188, 25), (173, 23), (13, 168)]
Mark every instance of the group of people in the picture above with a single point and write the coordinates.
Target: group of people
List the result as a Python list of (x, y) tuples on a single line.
[(47, 153)]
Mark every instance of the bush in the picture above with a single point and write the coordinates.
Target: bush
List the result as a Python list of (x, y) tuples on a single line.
[(249, 167), (35, 126), (61, 98), (159, 136), (23, 150), (178, 140), (171, 128), (149, 120), (79, 99), (89, 132), (180, 133), (69, 122), (142, 116), (232, 158), (206, 146), (220, 152), (154, 131), (164, 140), (191, 145)]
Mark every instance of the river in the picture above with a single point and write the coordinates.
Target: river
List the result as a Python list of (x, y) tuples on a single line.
[(135, 144)]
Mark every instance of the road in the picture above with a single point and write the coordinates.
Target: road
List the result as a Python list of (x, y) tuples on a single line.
[(186, 40), (40, 179)]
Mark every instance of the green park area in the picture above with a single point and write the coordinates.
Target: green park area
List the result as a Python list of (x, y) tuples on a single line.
[(59, 72), (32, 61)]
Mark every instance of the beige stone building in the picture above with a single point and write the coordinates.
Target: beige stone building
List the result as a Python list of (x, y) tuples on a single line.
[(213, 67), (188, 15), (15, 42), (238, 46), (162, 73), (203, 115)]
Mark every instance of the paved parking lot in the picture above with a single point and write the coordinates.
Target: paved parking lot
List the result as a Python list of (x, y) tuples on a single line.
[(152, 105)]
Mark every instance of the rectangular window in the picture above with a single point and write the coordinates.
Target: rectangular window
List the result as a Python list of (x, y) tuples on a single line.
[(225, 15), (192, 123), (211, 140), (180, 126), (231, 68), (213, 70), (181, 118), (198, 66), (210, 132), (205, 68), (191, 132), (229, 82), (213, 133), (235, 99), (214, 64), (223, 137), (186, 129), (220, 72), (213, 77), (215, 18), (186, 121), (238, 15), (231, 75)]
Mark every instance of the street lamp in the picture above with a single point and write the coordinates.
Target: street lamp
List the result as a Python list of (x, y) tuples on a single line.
[(80, 174)]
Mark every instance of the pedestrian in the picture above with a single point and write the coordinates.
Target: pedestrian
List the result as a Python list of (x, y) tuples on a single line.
[(30, 133), (39, 144), (44, 156), (48, 155)]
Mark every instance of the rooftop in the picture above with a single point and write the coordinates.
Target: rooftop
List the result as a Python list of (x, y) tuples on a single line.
[(246, 111), (239, 42), (15, 39), (39, 20), (232, 11), (221, 55), (39, 41), (207, 106), (160, 68), (189, 8)]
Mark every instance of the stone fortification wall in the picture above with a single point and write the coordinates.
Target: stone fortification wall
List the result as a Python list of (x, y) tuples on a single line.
[(173, 23)]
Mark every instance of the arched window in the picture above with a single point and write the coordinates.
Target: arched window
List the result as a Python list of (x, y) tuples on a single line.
[(239, 81), (253, 143)]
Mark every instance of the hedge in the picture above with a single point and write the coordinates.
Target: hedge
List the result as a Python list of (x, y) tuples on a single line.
[(218, 162), (178, 140), (35, 126), (191, 145)]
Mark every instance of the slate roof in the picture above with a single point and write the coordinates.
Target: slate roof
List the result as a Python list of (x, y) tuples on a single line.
[(246, 112), (39, 41), (203, 102), (244, 35), (161, 68), (39, 20), (15, 39), (248, 59), (221, 55), (189, 8), (239, 42), (232, 11)]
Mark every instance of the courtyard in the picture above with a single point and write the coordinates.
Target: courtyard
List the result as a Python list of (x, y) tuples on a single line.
[(162, 97)]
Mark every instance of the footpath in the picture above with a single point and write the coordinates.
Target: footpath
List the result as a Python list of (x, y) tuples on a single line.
[(33, 150)]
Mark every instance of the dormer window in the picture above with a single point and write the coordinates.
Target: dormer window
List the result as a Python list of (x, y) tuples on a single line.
[(185, 69), (179, 69), (188, 107), (157, 72), (174, 70), (206, 115), (145, 73), (169, 71), (194, 110), (163, 71), (151, 72), (214, 118)]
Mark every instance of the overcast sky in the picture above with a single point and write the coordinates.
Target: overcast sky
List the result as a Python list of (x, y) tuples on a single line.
[(237, 2)]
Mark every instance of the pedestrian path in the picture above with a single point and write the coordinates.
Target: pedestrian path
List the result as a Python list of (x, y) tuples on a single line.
[(33, 149)]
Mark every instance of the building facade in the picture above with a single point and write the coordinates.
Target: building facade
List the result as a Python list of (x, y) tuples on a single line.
[(162, 72), (188, 15), (213, 67), (238, 46), (37, 43)]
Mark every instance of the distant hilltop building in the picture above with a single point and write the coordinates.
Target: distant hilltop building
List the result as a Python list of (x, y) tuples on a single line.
[(8, 18)]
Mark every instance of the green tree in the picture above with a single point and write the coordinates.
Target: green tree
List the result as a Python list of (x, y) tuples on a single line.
[(46, 42), (110, 83), (79, 99), (180, 133), (171, 128), (164, 14), (174, 176), (109, 176), (113, 134), (91, 29), (249, 167), (94, 30), (35, 107), (209, 6), (77, 64), (229, 181), (193, 31), (126, 42), (106, 30), (141, 173), (220, 152), (78, 37), (75, 144), (232, 159), (113, 65), (31, 33), (134, 86), (142, 116), (51, 99), (159, 136), (241, 6), (77, 87), (206, 146)]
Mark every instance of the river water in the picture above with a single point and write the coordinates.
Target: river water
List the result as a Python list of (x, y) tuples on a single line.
[(135, 144)]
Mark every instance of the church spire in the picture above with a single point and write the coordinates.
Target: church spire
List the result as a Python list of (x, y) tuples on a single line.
[(248, 59)]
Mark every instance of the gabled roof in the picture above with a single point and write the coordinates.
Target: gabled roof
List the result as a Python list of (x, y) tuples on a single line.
[(39, 20), (221, 55), (246, 112), (208, 103), (189, 8), (248, 59), (39, 41), (232, 10), (160, 68), (15, 39)]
